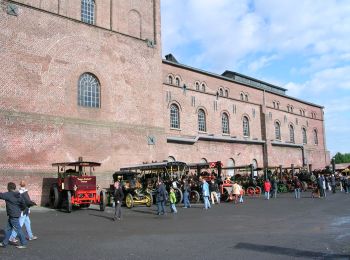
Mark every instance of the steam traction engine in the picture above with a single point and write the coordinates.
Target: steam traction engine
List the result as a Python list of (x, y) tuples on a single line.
[(76, 187)]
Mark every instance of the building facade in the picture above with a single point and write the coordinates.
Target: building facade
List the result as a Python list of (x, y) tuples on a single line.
[(86, 78)]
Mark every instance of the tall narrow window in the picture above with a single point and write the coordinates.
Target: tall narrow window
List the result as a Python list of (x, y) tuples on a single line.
[(88, 11), (88, 91), (245, 126), (315, 137), (201, 121), (170, 80), (242, 96), (291, 134), (221, 92), (177, 82), (197, 86), (203, 87), (277, 131), (226, 93), (174, 116), (303, 130), (225, 124)]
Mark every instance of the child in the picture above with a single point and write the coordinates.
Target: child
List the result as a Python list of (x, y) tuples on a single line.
[(172, 198)]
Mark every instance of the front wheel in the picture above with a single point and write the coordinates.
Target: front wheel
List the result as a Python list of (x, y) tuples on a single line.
[(178, 195), (55, 197), (250, 191), (103, 200), (129, 201), (194, 196), (149, 200)]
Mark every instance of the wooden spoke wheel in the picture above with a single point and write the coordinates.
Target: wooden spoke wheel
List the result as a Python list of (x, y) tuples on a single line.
[(250, 191), (129, 201), (55, 197), (178, 195), (149, 200), (194, 196), (257, 191)]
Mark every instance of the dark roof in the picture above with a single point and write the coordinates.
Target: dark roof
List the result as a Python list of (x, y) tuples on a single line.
[(154, 166), (83, 164)]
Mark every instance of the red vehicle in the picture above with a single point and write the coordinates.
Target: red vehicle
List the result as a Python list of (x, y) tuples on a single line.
[(76, 187)]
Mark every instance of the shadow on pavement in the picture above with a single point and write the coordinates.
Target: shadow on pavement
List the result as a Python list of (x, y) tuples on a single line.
[(102, 216), (289, 251)]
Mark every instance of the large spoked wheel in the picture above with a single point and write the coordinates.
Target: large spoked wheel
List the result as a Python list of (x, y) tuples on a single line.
[(250, 191), (149, 200), (194, 196), (55, 197), (225, 196), (257, 191), (129, 201), (103, 200), (69, 202), (178, 195)]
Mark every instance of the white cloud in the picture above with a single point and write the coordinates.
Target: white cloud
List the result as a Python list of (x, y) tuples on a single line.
[(261, 62)]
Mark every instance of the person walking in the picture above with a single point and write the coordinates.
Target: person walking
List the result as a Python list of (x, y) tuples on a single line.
[(161, 198), (187, 191), (241, 194), (214, 188), (118, 200), (297, 187), (324, 185), (320, 186), (205, 193), (267, 188), (24, 218), (14, 207), (172, 199), (236, 192), (332, 181), (274, 187)]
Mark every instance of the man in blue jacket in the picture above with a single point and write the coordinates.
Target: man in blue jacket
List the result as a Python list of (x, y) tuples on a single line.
[(205, 193), (14, 207)]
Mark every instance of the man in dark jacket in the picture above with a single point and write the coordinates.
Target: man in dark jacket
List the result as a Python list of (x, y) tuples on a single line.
[(14, 207), (118, 199), (162, 196)]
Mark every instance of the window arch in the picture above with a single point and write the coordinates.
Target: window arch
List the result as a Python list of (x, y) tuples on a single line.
[(177, 81), (303, 131), (203, 160), (226, 93), (171, 159), (246, 131), (242, 96), (174, 116), (203, 87), (201, 121), (88, 91), (88, 11), (197, 85), (231, 163), (315, 137), (278, 105), (291, 134), (277, 131), (246, 97), (170, 79), (221, 92), (225, 123)]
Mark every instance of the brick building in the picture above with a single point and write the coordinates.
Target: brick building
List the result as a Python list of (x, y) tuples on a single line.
[(86, 78)]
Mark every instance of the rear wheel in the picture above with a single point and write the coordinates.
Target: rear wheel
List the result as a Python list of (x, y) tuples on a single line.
[(250, 191), (129, 201), (149, 200), (69, 202), (178, 195), (103, 200), (194, 196), (55, 197), (257, 191)]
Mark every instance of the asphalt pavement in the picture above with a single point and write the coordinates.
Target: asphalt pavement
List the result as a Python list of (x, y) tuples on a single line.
[(282, 228)]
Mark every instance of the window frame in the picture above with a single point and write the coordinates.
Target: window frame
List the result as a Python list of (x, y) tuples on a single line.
[(174, 116), (277, 127), (87, 12), (225, 123), (202, 125), (246, 127), (89, 95)]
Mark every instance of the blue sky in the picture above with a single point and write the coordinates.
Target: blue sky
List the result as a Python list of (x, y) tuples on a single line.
[(303, 46)]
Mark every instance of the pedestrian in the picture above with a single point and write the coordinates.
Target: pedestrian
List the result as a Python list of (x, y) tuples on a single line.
[(214, 189), (205, 193), (161, 198), (274, 187), (324, 185), (14, 207), (118, 200), (187, 192), (267, 188), (236, 192), (297, 187), (241, 194), (24, 218), (320, 186), (333, 183), (172, 199)]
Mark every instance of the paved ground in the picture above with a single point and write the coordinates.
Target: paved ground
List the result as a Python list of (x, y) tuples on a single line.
[(282, 228)]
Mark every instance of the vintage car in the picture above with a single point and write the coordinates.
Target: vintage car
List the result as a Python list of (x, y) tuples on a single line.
[(76, 186)]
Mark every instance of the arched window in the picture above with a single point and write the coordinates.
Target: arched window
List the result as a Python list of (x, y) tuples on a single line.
[(245, 126), (225, 124), (226, 93), (277, 131), (88, 91), (221, 92), (203, 87), (303, 130), (230, 163), (242, 96), (197, 86), (291, 109), (174, 116), (177, 82), (246, 97), (291, 134), (170, 79), (88, 11), (315, 137), (203, 160), (274, 104), (278, 105), (201, 121), (171, 159)]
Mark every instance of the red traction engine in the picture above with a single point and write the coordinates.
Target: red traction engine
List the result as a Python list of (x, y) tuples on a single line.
[(76, 187)]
